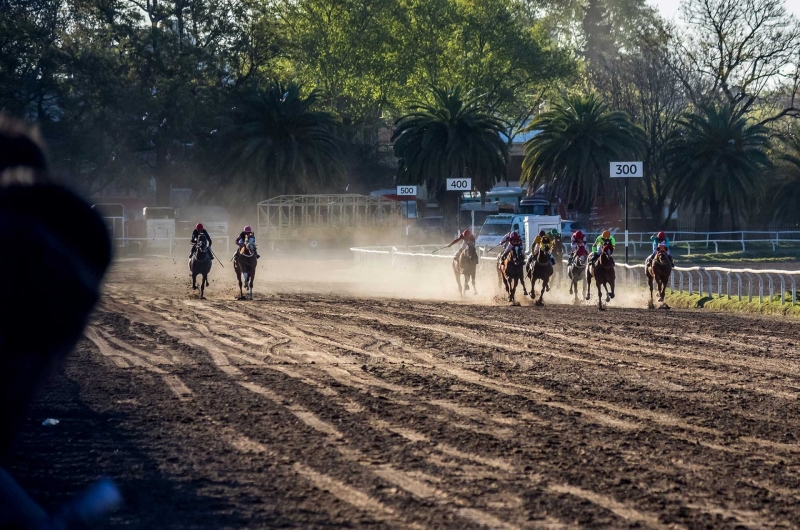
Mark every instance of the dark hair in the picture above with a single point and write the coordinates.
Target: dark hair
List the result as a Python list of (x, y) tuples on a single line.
[(33, 215)]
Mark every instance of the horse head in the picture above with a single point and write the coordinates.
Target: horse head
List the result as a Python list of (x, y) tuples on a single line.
[(661, 254), (605, 256), (542, 256), (471, 251)]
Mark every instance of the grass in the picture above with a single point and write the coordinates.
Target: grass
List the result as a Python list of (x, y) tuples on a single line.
[(768, 307)]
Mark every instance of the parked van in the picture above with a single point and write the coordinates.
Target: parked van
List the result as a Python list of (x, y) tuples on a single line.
[(496, 226)]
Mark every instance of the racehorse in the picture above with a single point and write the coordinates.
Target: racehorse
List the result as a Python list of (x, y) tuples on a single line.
[(511, 271), (200, 264), (576, 271), (659, 269), (604, 275), (558, 255), (245, 265), (541, 269), (466, 264)]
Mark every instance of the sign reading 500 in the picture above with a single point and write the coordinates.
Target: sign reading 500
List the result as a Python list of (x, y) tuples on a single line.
[(459, 184), (405, 191)]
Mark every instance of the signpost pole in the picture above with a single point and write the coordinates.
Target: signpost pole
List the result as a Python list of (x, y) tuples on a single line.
[(626, 221), (626, 170)]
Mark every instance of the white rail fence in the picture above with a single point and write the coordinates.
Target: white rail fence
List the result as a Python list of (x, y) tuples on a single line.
[(679, 239), (691, 280)]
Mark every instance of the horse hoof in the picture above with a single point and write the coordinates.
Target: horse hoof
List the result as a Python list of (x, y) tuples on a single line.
[(474, 293), (194, 287), (611, 295), (548, 288), (539, 303), (651, 305), (664, 306)]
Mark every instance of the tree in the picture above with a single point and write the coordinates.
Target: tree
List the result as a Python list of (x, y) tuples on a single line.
[(743, 53), (643, 83), (786, 190), (716, 160), (576, 141), (455, 135), (279, 143)]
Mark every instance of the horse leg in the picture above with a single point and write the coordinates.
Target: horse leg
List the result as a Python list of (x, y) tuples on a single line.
[(458, 277), (524, 288), (588, 284), (611, 283), (194, 281), (545, 285), (252, 279), (474, 286), (203, 282), (650, 305)]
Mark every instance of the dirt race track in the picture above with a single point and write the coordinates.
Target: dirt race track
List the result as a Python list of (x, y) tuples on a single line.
[(312, 408)]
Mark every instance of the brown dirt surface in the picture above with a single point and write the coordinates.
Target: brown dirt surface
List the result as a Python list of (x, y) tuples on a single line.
[(329, 401)]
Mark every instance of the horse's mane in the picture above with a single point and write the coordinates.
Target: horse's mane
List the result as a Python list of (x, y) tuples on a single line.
[(22, 154)]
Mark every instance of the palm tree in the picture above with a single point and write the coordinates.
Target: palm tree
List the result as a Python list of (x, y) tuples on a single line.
[(454, 136), (716, 159), (787, 188), (575, 143), (280, 144)]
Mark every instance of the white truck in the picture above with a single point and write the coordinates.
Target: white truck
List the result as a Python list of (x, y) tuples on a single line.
[(496, 226)]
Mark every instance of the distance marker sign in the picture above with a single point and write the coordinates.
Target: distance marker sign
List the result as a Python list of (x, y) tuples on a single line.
[(459, 184), (406, 191), (620, 170)]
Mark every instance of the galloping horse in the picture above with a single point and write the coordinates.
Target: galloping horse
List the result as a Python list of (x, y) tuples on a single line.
[(511, 271), (558, 255), (200, 264), (465, 264), (659, 269), (604, 275), (576, 271), (245, 265), (541, 269)]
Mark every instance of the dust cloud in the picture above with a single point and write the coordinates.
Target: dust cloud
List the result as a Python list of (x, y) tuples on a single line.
[(340, 274)]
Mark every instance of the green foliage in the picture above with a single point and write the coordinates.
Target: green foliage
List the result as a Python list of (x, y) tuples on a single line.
[(786, 191), (577, 140), (717, 160), (278, 143), (453, 136)]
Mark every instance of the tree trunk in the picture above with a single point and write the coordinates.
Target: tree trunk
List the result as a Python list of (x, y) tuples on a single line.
[(163, 184), (714, 217)]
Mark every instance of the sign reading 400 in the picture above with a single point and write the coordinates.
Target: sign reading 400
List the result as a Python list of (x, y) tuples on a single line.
[(459, 184)]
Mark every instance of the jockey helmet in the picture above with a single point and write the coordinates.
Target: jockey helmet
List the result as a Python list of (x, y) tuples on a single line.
[(199, 226), (542, 233), (606, 234), (515, 227), (466, 233), (248, 229), (661, 236), (553, 232), (579, 235)]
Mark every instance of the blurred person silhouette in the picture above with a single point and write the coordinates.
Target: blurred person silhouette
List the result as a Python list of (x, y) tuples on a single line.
[(56, 251)]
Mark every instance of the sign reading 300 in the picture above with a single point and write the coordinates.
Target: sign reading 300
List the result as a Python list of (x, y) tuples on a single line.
[(459, 184), (627, 169)]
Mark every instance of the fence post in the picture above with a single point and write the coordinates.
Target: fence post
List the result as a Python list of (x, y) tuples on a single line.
[(794, 290), (691, 282), (749, 287), (760, 289), (719, 284), (739, 281), (680, 290), (783, 289), (710, 287), (700, 282), (771, 291), (729, 285), (672, 284)]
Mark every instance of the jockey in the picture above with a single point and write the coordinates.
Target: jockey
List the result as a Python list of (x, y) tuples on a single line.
[(658, 240), (602, 240), (242, 239), (466, 237), (511, 240), (196, 234), (543, 240), (578, 241)]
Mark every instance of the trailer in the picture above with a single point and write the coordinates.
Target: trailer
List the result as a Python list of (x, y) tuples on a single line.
[(314, 220)]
